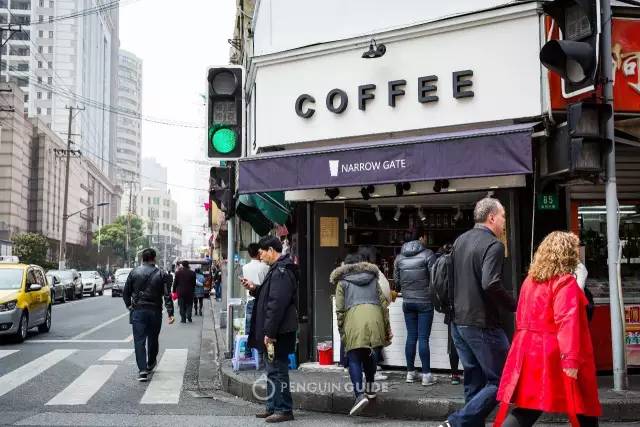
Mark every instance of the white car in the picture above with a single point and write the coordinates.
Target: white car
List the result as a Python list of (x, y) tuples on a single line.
[(120, 278), (92, 283)]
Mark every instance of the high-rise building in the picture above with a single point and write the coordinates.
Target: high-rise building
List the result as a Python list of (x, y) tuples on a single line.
[(129, 130), (58, 61), (154, 174)]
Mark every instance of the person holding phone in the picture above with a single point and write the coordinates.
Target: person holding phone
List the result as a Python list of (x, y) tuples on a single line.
[(254, 271)]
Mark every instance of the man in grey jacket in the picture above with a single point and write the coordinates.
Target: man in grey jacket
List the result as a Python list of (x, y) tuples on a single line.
[(411, 276)]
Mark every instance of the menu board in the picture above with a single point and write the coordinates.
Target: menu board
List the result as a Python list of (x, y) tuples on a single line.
[(632, 334), (329, 231)]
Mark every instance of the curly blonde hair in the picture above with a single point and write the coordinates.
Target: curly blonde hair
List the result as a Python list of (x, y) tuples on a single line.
[(557, 254)]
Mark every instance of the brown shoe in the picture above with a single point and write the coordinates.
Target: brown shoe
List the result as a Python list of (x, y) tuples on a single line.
[(264, 414), (279, 418)]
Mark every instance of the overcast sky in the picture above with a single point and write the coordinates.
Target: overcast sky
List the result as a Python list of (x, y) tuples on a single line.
[(177, 41)]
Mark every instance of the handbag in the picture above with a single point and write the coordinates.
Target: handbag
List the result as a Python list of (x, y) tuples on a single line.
[(174, 296)]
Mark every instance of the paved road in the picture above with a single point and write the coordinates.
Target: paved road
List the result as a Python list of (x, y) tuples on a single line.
[(83, 373)]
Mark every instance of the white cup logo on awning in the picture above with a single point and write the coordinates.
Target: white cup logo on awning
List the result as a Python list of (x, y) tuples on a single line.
[(334, 167)]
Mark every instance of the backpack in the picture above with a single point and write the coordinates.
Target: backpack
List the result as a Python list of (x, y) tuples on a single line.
[(442, 283)]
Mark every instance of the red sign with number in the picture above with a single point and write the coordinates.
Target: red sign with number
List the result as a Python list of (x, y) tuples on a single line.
[(626, 57)]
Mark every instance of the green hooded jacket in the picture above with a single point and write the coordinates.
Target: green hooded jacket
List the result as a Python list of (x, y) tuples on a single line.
[(361, 307)]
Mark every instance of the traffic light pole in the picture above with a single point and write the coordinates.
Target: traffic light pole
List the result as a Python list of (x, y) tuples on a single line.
[(230, 278), (613, 238)]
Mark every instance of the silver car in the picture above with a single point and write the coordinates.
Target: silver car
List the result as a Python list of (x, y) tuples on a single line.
[(119, 281), (71, 281), (58, 291)]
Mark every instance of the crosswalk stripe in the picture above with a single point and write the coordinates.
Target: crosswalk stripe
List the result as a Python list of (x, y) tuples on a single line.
[(116, 355), (5, 353), (85, 386), (19, 376), (166, 381)]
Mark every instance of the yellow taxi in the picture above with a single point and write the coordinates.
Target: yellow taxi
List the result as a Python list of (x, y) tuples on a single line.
[(25, 299)]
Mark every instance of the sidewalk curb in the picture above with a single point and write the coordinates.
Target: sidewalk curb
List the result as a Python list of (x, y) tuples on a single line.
[(208, 368), (623, 408)]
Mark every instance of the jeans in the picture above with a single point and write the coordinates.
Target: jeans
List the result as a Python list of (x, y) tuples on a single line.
[(185, 304), (248, 311), (361, 359), (454, 359), (520, 417), (217, 287), (483, 353), (146, 326), (418, 317), (278, 385)]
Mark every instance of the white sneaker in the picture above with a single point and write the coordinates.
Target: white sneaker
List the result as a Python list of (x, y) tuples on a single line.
[(411, 376), (428, 379), (380, 377)]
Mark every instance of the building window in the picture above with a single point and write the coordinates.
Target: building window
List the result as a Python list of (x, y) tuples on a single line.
[(40, 18), (40, 49), (26, 97), (50, 80), (50, 19), (39, 110), (39, 64), (48, 111), (51, 3), (39, 79), (50, 49), (50, 34), (41, 33), (41, 3), (49, 95), (50, 64), (39, 95)]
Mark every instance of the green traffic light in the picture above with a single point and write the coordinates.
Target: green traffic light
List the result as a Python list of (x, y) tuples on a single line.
[(224, 140)]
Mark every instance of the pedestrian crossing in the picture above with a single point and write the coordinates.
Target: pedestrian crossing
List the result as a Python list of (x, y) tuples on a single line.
[(165, 385)]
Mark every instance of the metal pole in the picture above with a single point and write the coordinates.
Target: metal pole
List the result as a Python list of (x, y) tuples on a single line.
[(613, 238), (230, 265), (63, 239)]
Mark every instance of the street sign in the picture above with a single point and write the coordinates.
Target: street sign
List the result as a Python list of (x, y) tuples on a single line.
[(548, 202)]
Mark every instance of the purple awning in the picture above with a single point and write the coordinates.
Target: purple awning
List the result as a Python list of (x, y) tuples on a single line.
[(494, 151)]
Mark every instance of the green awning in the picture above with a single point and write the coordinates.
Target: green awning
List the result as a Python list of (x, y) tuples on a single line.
[(273, 206), (247, 211)]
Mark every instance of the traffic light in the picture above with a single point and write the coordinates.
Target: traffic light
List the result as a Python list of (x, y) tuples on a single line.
[(576, 148), (225, 112), (222, 188), (575, 56)]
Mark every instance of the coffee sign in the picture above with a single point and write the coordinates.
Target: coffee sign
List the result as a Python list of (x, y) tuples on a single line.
[(337, 100)]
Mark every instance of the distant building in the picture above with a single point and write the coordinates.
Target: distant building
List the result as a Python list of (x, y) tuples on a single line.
[(129, 129)]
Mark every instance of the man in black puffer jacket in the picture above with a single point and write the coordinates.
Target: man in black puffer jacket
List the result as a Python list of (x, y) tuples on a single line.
[(143, 293)]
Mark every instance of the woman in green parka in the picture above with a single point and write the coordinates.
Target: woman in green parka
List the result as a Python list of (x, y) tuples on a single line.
[(363, 322)]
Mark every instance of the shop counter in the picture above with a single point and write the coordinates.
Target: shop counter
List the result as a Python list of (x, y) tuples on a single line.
[(394, 354)]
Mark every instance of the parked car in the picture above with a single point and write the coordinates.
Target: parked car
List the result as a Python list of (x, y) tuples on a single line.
[(72, 282), (25, 300), (58, 291), (119, 281), (92, 283)]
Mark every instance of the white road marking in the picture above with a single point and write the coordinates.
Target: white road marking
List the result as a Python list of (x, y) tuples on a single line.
[(85, 386), (5, 353), (19, 376), (36, 341), (166, 380), (102, 325), (117, 355)]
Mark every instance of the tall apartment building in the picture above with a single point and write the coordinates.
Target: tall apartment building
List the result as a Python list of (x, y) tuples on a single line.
[(154, 174), (129, 129), (61, 62)]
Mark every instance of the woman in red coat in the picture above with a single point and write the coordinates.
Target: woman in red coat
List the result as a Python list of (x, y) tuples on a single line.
[(550, 366)]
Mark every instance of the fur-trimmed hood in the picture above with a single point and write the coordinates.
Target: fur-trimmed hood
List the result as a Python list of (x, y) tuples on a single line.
[(359, 274)]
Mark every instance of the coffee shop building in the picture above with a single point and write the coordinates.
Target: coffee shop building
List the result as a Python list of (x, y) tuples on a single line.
[(375, 125)]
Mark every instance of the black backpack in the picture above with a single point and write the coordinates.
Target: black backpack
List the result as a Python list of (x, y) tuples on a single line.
[(442, 283)]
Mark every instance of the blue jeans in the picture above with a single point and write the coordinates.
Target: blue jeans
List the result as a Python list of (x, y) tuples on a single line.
[(482, 353), (418, 317), (146, 326), (278, 386), (361, 359), (217, 287)]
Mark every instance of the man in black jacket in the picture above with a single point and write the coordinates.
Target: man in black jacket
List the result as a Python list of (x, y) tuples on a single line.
[(143, 292), (184, 285), (274, 323), (478, 296)]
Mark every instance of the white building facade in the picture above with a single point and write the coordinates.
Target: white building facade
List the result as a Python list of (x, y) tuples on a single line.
[(160, 214), (129, 129)]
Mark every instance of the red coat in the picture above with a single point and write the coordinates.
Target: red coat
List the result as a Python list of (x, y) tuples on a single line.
[(552, 333)]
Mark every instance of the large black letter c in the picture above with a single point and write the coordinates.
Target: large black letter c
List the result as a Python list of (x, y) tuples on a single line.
[(300, 103)]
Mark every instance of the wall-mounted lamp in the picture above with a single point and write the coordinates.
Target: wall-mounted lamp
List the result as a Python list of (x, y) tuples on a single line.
[(398, 213), (375, 50), (401, 187), (440, 184), (366, 191), (332, 193), (421, 214), (378, 214)]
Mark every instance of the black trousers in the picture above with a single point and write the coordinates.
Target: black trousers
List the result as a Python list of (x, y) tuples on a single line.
[(146, 326), (520, 417), (454, 359), (186, 305), (197, 301)]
